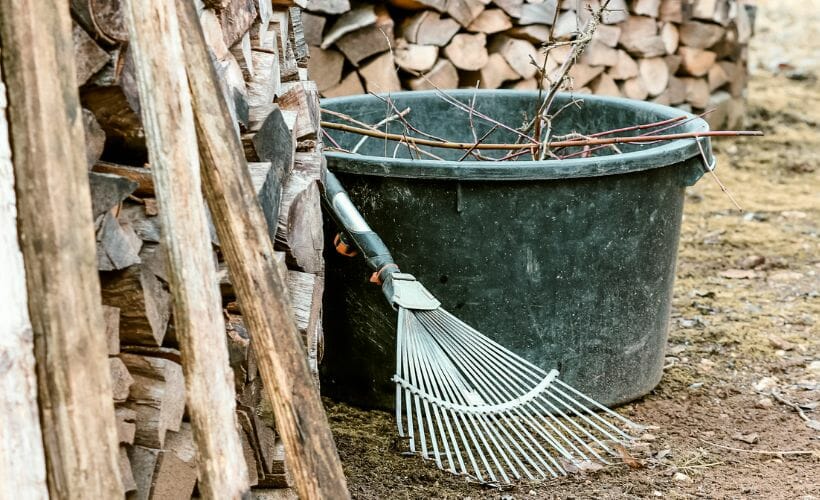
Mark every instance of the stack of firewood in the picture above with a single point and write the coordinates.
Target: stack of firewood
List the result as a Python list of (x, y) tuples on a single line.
[(686, 53), (260, 58)]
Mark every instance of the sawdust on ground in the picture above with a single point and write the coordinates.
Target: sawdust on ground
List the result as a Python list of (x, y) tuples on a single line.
[(744, 323)]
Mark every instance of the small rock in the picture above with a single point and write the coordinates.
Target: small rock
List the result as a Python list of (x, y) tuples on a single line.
[(531, 493), (738, 274), (746, 438), (794, 214), (680, 476), (756, 216), (785, 276), (663, 454), (751, 262), (657, 493), (764, 403), (779, 343), (648, 437), (814, 366), (766, 384), (696, 385)]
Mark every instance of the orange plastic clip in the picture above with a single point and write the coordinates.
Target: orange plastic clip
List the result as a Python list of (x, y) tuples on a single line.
[(343, 248), (376, 277)]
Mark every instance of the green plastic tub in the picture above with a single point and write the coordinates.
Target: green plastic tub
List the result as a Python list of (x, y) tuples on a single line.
[(568, 263)]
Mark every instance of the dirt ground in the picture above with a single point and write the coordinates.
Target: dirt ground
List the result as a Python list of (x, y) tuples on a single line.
[(744, 322)]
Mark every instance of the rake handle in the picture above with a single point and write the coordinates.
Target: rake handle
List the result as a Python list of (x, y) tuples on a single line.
[(356, 230)]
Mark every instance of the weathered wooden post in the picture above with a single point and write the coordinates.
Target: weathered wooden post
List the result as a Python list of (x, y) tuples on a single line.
[(172, 147), (57, 242)]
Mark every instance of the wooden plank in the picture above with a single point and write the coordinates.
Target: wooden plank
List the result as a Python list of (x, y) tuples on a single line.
[(22, 459), (199, 325), (248, 250), (56, 236)]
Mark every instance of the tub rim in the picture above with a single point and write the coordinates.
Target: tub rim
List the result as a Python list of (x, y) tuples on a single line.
[(665, 154)]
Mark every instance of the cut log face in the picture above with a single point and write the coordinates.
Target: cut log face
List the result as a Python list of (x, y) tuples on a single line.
[(625, 67), (94, 138), (491, 21), (88, 56), (443, 75), (538, 13), (350, 85), (496, 72), (700, 35), (655, 75), (464, 11), (428, 28), (328, 6), (380, 75), (413, 57), (519, 54), (605, 85), (696, 62), (598, 54), (365, 42), (639, 36), (634, 88), (144, 303), (468, 52), (325, 67), (157, 396), (358, 18)]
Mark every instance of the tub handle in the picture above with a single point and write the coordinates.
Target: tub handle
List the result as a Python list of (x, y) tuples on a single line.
[(356, 230)]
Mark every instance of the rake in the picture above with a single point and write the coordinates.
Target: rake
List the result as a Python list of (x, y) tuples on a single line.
[(463, 400)]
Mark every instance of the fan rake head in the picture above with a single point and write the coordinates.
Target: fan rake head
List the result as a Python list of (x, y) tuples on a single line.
[(477, 409)]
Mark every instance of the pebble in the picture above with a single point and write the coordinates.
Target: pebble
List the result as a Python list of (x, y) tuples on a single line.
[(814, 366), (764, 403), (680, 476), (766, 384)]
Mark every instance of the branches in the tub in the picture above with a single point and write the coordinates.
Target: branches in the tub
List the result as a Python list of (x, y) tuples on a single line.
[(589, 141)]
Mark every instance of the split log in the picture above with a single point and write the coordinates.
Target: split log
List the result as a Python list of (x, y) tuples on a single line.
[(491, 21), (302, 97), (464, 11), (607, 35), (299, 413), (88, 56), (605, 85), (143, 177), (169, 473), (380, 75), (599, 54), (299, 230), (429, 28), (671, 37), (356, 19), (711, 10), (717, 77), (496, 72), (634, 88), (198, 321), (101, 18), (519, 54), (350, 85), (22, 459), (468, 52), (654, 74), (118, 245), (94, 138), (365, 42), (581, 74), (328, 6), (671, 11), (538, 13), (325, 67), (700, 35), (511, 7), (639, 36), (413, 57), (145, 305), (697, 91), (649, 8), (313, 26), (107, 191), (443, 75), (121, 380), (126, 424), (157, 396), (696, 62), (214, 37), (111, 316), (236, 19), (113, 98), (56, 236), (625, 67)]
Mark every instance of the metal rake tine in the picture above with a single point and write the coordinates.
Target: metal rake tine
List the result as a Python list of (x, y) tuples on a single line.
[(411, 377), (452, 392), (514, 426), (603, 408), (426, 380), (402, 320), (505, 444), (591, 421), (467, 340), (408, 395)]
